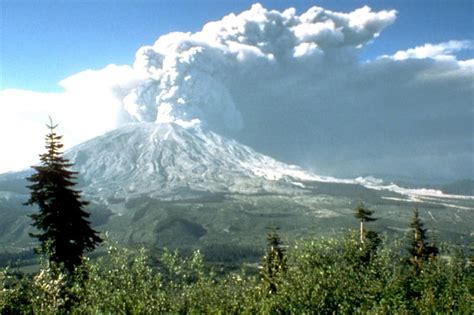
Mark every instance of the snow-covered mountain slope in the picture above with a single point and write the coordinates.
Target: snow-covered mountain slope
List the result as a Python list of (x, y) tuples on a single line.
[(145, 179), (172, 162), (169, 161)]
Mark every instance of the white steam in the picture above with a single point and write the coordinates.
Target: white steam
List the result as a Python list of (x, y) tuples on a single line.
[(290, 86), (191, 76), (443, 51)]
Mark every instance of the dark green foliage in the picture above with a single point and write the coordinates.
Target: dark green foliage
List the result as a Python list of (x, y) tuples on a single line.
[(323, 276), (363, 214), (64, 231), (368, 249), (420, 250), (274, 261)]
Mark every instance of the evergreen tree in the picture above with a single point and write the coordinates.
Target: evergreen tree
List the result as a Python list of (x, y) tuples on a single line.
[(420, 250), (64, 231), (274, 261), (363, 214)]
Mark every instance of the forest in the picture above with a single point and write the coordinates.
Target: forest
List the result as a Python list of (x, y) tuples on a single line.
[(319, 276)]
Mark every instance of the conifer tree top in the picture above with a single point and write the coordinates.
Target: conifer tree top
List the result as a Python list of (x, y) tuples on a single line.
[(420, 250), (64, 231), (363, 213)]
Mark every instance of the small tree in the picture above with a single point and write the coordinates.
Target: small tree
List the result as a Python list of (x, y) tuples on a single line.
[(363, 214), (65, 233), (274, 261), (420, 250)]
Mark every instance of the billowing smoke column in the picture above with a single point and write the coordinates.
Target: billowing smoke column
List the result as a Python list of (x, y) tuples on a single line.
[(199, 78), (290, 86), (293, 87)]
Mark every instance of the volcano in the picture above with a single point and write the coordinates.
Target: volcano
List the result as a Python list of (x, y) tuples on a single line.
[(168, 161), (169, 185)]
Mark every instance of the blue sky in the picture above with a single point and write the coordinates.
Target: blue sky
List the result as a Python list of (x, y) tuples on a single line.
[(43, 42)]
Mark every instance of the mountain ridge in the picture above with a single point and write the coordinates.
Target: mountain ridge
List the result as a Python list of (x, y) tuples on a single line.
[(166, 160), (169, 161), (169, 185)]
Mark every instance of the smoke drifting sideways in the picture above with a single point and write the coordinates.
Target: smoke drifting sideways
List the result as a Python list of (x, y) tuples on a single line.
[(293, 87), (214, 77)]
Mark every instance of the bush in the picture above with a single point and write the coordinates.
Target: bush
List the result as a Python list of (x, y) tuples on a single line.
[(322, 276)]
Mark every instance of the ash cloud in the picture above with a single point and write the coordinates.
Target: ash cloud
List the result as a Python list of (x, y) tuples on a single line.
[(202, 77), (292, 86)]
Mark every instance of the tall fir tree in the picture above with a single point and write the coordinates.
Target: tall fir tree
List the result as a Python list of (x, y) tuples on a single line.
[(363, 214), (420, 250), (64, 231), (274, 261)]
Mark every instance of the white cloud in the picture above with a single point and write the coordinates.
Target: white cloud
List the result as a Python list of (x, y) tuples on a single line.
[(89, 106), (289, 85), (442, 51), (191, 74)]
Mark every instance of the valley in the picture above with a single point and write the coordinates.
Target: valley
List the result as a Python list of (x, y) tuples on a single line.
[(221, 224)]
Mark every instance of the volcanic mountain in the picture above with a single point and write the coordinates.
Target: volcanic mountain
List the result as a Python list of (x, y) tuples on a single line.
[(168, 161), (168, 185)]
